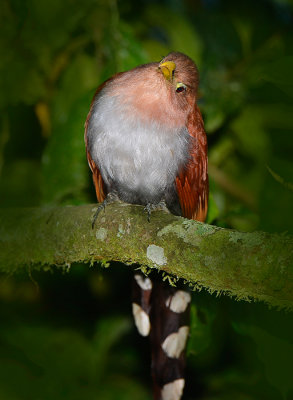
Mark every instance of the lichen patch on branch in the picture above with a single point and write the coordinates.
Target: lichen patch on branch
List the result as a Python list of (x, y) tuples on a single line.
[(156, 255)]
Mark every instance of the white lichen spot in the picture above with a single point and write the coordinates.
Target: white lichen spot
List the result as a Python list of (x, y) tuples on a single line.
[(121, 231), (156, 254), (189, 231), (128, 226), (101, 234), (247, 239)]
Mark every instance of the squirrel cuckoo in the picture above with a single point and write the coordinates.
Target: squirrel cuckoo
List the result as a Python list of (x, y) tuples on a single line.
[(146, 144)]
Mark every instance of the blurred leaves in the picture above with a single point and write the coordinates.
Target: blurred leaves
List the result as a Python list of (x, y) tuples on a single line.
[(56, 363), (33, 32), (168, 23), (279, 179), (200, 329), (279, 73), (275, 353), (53, 57)]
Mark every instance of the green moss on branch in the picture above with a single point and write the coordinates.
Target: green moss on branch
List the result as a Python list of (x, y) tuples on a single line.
[(246, 265)]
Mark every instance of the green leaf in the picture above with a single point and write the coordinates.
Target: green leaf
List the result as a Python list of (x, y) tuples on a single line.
[(213, 210), (130, 53), (281, 180), (108, 332), (188, 41), (155, 50), (279, 73), (65, 170), (275, 353), (201, 320), (249, 128), (20, 184), (40, 362)]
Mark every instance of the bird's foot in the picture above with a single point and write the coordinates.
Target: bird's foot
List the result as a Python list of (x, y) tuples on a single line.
[(111, 198), (149, 208)]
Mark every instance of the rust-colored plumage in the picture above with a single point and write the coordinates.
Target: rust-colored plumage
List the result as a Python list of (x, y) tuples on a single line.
[(146, 144), (191, 180)]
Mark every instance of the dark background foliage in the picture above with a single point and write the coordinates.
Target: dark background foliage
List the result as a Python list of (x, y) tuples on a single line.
[(68, 334)]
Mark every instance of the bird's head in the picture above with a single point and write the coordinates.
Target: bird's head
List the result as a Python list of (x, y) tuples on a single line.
[(181, 72), (162, 92)]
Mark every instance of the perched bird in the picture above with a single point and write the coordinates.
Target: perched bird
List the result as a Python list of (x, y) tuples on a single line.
[(146, 144)]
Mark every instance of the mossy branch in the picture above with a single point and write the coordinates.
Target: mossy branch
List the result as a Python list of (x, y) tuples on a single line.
[(245, 265)]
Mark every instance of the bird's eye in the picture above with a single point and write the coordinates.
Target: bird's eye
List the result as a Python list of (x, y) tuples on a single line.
[(180, 87)]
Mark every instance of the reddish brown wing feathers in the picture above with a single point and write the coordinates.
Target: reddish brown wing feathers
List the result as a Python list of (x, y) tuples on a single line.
[(97, 177), (192, 182)]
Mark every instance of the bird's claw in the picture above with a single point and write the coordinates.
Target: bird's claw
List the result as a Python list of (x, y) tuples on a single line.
[(148, 208), (101, 207), (111, 198), (154, 207)]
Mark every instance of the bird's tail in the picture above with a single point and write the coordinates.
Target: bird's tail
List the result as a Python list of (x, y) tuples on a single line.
[(162, 312)]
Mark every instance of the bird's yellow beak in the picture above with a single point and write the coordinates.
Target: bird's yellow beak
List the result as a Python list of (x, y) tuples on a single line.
[(168, 69)]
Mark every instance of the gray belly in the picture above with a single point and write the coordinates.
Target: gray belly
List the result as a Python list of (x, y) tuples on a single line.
[(138, 161)]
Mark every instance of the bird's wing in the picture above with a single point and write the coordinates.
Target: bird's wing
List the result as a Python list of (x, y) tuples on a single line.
[(192, 182), (100, 186), (97, 177)]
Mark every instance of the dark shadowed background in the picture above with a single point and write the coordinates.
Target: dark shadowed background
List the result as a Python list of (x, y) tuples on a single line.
[(68, 333)]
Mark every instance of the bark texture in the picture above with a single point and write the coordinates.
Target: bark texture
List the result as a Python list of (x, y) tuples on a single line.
[(256, 265)]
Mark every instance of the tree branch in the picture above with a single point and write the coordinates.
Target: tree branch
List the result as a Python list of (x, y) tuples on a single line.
[(246, 265)]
